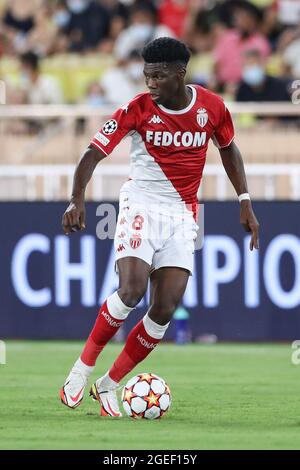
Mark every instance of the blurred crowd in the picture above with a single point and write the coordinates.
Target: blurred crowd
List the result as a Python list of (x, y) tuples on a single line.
[(247, 50)]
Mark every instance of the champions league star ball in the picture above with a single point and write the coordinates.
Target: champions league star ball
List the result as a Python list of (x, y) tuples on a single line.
[(146, 396)]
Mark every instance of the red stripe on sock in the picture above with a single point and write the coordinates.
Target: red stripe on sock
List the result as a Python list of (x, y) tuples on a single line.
[(138, 345), (104, 329)]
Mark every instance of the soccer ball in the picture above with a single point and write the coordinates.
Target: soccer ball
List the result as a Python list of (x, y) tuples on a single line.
[(146, 396)]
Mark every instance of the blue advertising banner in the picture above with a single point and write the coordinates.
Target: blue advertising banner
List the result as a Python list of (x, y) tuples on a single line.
[(51, 284)]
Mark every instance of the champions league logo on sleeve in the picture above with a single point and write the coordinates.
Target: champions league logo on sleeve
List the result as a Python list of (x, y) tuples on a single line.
[(202, 117), (110, 127)]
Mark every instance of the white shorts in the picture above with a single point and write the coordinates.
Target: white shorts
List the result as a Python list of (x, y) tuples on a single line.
[(160, 234)]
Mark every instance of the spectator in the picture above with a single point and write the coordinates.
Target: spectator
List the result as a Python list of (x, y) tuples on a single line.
[(291, 57), (88, 24), (61, 15), (118, 14), (95, 95), (233, 43), (42, 36), (18, 21), (256, 85), (201, 39), (129, 72), (288, 12), (142, 29), (38, 88), (116, 8), (173, 14), (19, 16), (286, 17)]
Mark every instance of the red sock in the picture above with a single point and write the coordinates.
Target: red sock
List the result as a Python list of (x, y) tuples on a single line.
[(138, 345), (104, 329)]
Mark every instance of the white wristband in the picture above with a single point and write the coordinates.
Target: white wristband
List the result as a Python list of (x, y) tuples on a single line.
[(244, 197)]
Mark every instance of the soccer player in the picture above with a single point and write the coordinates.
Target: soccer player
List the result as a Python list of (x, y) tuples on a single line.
[(170, 127)]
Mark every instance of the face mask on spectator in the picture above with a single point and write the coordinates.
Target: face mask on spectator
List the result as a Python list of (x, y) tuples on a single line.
[(135, 71), (25, 79), (141, 32), (253, 75), (78, 6), (96, 100), (61, 18)]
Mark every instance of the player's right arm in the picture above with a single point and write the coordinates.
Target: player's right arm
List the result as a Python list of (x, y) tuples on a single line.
[(74, 216), (118, 126)]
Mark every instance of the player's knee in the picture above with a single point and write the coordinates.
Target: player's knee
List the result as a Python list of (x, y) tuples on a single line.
[(162, 311), (132, 293)]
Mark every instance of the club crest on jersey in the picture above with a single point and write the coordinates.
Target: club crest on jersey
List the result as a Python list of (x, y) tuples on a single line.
[(202, 117), (110, 127), (135, 241)]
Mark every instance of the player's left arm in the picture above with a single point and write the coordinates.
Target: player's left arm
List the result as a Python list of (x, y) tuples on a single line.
[(234, 167)]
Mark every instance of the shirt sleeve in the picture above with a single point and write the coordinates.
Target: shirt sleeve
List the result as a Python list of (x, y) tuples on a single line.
[(114, 130), (224, 133)]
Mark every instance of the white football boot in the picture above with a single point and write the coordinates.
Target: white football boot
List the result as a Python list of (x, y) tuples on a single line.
[(107, 399), (72, 392)]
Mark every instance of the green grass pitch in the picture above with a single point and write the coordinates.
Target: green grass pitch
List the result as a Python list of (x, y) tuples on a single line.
[(225, 396)]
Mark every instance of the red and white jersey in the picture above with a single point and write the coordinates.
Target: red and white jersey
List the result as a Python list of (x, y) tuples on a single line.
[(169, 147)]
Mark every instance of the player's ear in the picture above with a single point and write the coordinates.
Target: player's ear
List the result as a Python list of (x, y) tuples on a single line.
[(182, 72)]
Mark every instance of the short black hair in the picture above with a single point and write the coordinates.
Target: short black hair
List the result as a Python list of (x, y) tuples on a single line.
[(249, 8), (166, 50), (31, 59), (144, 7)]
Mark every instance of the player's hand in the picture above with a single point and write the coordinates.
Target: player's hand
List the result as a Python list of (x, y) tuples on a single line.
[(250, 223), (74, 217)]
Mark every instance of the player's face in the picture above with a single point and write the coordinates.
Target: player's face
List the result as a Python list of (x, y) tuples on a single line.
[(163, 82)]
